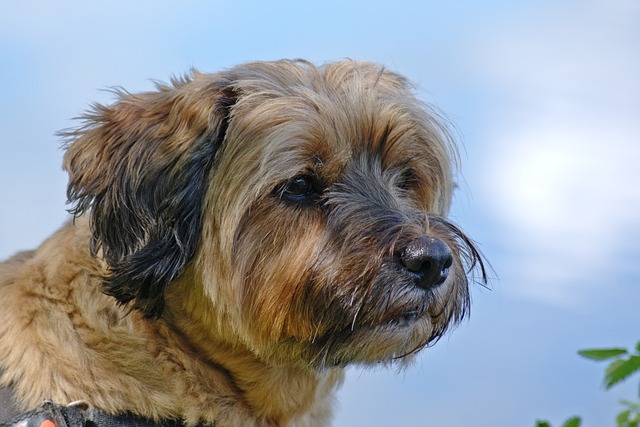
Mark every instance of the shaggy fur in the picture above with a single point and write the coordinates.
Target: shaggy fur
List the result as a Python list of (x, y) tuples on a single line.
[(238, 239)]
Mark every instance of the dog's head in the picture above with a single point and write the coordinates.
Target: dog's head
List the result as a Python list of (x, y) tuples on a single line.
[(307, 206)]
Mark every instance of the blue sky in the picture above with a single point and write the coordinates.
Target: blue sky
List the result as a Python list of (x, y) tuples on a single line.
[(545, 97)]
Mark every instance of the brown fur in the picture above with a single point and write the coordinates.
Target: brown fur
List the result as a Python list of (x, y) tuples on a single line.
[(197, 281)]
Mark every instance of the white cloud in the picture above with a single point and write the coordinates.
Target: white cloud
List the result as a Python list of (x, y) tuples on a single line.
[(567, 199), (563, 165)]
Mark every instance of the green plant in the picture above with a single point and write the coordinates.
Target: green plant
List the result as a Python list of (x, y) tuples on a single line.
[(571, 422), (623, 364)]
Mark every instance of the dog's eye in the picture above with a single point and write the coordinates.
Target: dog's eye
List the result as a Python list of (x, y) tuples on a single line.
[(302, 188)]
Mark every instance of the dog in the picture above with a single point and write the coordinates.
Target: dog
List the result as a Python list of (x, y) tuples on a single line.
[(237, 240)]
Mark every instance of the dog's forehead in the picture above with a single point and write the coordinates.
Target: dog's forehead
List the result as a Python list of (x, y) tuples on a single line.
[(322, 118)]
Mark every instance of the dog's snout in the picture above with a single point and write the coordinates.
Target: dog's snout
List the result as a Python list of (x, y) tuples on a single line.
[(429, 259)]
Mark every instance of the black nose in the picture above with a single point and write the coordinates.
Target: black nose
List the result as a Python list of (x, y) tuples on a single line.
[(429, 260)]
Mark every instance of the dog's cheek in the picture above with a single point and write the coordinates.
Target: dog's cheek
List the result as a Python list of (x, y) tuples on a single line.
[(274, 253)]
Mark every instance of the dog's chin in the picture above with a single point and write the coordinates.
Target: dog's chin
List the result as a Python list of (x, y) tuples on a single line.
[(405, 319), (395, 340), (393, 323)]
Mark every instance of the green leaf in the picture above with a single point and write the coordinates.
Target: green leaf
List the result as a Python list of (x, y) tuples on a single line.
[(638, 347), (602, 353), (620, 370), (573, 422), (542, 424), (622, 418)]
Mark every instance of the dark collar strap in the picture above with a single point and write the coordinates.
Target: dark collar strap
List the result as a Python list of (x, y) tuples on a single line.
[(8, 407), (80, 415)]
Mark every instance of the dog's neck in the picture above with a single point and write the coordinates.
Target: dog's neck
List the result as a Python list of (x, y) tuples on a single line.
[(167, 368), (273, 390)]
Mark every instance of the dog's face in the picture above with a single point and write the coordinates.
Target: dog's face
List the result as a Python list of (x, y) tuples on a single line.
[(307, 204)]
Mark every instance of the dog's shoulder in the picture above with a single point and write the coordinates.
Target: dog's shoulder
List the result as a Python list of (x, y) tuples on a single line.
[(13, 264), (63, 339), (41, 318)]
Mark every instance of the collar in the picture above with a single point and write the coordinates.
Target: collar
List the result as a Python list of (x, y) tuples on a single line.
[(77, 414)]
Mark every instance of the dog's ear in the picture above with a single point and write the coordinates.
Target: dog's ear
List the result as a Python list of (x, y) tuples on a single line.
[(140, 169)]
